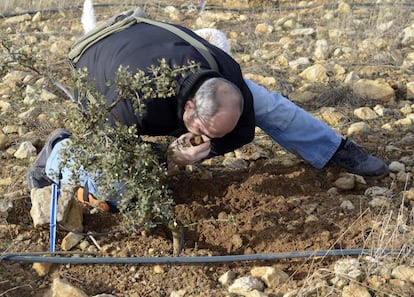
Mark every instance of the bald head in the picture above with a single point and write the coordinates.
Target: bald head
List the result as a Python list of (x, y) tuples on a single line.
[(215, 109)]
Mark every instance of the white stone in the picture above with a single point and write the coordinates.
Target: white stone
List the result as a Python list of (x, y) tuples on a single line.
[(410, 90), (246, 284), (354, 290), (31, 113), (5, 205), (407, 36), (351, 78), (385, 26), (42, 269), (4, 106), (271, 276), (379, 202), (382, 111), (358, 128), (410, 194), (71, 240), (346, 182), (375, 90), (302, 61), (302, 32), (18, 19), (263, 28), (344, 266), (344, 8), (178, 293), (25, 150), (376, 191), (396, 166), (321, 49), (62, 288), (41, 201), (10, 129), (315, 73), (347, 205), (365, 113), (227, 278), (404, 273)]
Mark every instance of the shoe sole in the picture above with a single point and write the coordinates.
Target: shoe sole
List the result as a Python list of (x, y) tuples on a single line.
[(36, 175)]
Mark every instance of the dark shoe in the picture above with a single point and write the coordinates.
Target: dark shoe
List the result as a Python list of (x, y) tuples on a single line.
[(36, 175), (355, 160)]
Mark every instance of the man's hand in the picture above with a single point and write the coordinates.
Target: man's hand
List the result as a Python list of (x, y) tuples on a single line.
[(182, 152)]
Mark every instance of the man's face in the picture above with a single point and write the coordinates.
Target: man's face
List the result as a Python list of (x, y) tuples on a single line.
[(222, 123)]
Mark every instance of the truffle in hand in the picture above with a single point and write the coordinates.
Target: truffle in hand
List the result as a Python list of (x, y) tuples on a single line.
[(196, 140)]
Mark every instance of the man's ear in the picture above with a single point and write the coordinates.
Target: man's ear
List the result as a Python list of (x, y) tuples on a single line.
[(189, 104)]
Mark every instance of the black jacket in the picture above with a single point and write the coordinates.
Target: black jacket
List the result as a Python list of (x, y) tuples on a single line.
[(143, 45)]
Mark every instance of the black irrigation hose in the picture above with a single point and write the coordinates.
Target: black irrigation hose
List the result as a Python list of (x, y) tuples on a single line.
[(253, 9), (37, 257)]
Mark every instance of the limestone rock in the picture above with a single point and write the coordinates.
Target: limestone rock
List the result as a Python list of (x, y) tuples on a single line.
[(74, 217), (271, 276), (347, 205), (18, 19), (25, 150), (404, 273), (407, 36), (355, 290), (316, 73), (302, 32), (42, 269), (376, 191), (410, 90), (344, 267), (71, 240), (375, 90), (365, 113), (303, 61), (62, 288), (321, 49), (178, 293), (346, 182), (227, 277), (4, 106), (41, 201), (245, 284), (396, 166), (358, 128), (410, 194), (263, 28)]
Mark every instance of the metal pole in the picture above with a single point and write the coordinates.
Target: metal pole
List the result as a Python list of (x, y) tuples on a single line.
[(53, 214)]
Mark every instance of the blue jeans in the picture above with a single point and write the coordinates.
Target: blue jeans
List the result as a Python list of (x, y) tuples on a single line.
[(53, 164), (294, 129)]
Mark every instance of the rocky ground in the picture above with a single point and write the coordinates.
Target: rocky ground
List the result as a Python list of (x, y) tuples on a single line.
[(352, 65)]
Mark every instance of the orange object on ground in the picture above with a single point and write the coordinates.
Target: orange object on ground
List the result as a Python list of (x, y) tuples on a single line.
[(88, 200)]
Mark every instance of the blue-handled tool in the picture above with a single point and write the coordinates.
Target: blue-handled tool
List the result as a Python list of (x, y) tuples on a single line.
[(53, 214), (202, 5)]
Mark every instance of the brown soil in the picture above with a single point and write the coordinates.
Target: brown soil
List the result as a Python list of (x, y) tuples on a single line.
[(258, 210)]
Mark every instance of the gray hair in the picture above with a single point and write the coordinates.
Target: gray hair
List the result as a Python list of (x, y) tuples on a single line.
[(207, 99)]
